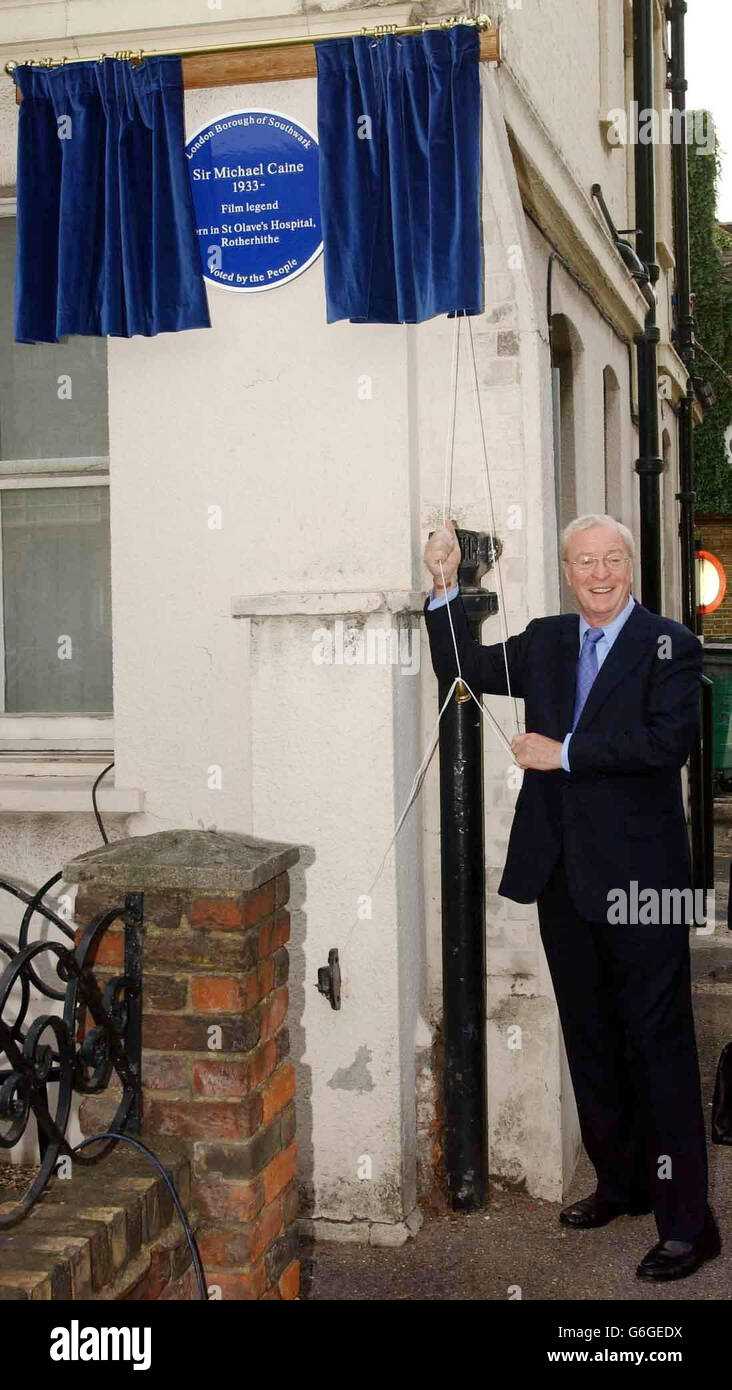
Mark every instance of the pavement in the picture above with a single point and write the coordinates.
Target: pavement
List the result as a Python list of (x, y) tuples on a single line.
[(516, 1240)]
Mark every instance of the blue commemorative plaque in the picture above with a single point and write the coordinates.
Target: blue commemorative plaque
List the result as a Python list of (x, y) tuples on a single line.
[(254, 176)]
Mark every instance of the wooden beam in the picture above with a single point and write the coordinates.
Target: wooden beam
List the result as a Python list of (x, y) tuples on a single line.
[(258, 65), (228, 69), (278, 64)]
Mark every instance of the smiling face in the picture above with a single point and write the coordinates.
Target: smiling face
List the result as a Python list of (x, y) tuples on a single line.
[(602, 592)]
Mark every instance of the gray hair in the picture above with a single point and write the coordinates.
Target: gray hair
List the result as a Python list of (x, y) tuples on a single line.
[(583, 523)]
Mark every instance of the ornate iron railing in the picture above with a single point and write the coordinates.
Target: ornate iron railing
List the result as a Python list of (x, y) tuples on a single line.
[(60, 1049)]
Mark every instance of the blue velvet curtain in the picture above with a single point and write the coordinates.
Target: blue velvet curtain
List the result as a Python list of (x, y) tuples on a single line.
[(400, 191), (106, 240)]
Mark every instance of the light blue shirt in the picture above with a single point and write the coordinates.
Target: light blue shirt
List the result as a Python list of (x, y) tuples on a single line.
[(610, 632), (444, 598)]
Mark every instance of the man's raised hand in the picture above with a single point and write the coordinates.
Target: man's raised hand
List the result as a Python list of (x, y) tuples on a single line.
[(443, 546)]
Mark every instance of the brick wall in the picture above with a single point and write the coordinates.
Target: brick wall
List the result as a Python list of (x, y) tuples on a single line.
[(714, 533), (216, 1072), (108, 1231)]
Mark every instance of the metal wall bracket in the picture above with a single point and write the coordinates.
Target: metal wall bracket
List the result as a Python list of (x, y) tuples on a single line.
[(329, 979)]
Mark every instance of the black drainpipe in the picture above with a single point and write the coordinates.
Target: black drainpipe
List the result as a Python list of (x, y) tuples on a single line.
[(644, 269), (701, 802), (648, 465), (463, 905), (675, 11)]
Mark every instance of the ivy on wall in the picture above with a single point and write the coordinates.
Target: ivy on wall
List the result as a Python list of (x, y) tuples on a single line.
[(713, 329)]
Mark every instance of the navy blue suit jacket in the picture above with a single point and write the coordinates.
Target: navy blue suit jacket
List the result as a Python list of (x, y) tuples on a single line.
[(618, 816)]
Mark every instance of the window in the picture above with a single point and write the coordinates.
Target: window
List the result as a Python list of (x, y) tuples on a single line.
[(566, 352), (55, 583), (669, 527), (565, 348), (613, 454), (611, 80)]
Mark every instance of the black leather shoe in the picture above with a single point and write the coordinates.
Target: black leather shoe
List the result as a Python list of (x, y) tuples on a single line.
[(597, 1211), (675, 1259)]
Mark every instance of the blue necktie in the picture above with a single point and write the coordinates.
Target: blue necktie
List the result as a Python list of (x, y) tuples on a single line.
[(586, 669)]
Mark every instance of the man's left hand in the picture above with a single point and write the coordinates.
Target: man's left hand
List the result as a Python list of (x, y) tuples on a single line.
[(537, 752)]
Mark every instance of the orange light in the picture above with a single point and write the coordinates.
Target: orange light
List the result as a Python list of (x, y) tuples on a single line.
[(711, 582)]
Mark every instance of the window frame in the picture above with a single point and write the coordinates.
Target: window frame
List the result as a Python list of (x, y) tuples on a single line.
[(69, 737)]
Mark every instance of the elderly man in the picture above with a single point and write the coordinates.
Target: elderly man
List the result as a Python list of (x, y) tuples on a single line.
[(611, 701)]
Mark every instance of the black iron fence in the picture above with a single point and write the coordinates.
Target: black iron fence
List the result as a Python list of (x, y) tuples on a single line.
[(47, 1056)]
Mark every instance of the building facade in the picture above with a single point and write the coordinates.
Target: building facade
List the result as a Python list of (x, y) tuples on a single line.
[(247, 504)]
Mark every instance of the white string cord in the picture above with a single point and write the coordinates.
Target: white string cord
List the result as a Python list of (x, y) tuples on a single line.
[(446, 503), (452, 630), (416, 785), (450, 441), (491, 513), (493, 723), (449, 456), (418, 780)]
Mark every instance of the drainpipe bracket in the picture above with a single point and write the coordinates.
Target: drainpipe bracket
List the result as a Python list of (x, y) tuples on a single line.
[(649, 465), (677, 85), (649, 335)]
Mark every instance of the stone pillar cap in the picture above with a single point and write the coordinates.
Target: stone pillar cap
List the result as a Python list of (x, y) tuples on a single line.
[(199, 861)]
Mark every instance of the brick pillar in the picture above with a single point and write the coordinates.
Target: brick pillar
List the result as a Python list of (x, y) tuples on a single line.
[(216, 1071)]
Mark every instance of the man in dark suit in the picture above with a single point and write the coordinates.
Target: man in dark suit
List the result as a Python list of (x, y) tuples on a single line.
[(599, 842)]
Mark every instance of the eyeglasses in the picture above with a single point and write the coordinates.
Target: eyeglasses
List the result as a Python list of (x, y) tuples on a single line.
[(614, 562)]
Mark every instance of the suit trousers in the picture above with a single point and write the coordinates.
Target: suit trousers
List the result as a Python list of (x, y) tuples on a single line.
[(624, 1000)]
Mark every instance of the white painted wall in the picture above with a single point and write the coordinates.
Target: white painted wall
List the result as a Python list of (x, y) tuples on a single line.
[(324, 492), (571, 80)]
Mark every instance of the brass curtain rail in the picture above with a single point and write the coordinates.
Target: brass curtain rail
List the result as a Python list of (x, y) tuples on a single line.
[(136, 56)]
